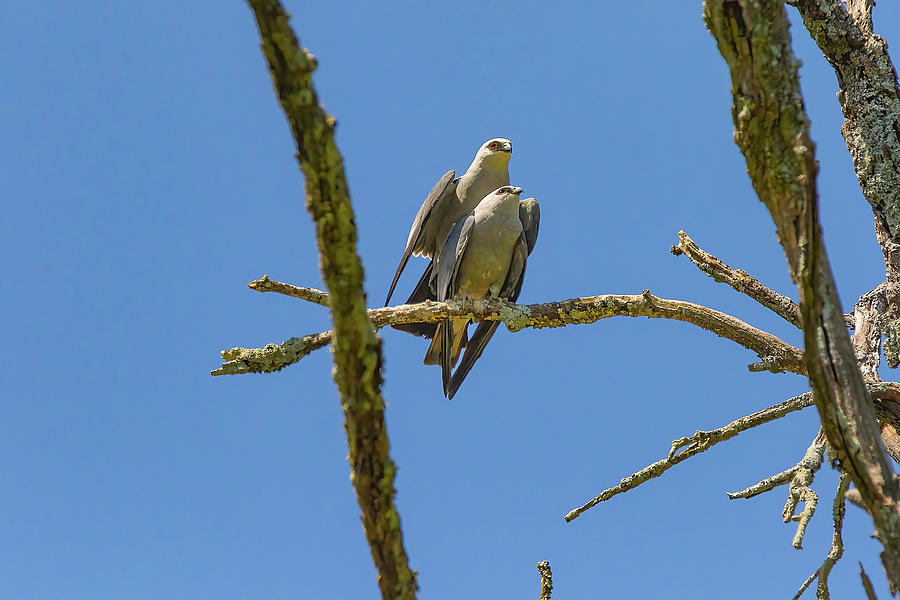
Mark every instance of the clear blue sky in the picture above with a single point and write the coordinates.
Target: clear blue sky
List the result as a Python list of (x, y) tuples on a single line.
[(148, 175)]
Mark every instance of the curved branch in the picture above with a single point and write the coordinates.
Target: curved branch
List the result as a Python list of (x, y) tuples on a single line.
[(737, 279), (703, 440), (695, 444), (519, 316), (357, 349)]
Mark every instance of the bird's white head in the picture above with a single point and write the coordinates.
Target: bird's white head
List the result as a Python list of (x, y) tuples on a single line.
[(507, 190), (495, 151)]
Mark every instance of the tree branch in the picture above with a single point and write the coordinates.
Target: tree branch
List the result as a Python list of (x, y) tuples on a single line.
[(519, 316), (870, 103), (837, 544), (357, 349), (703, 440), (737, 279), (694, 445), (264, 284), (546, 579), (772, 131)]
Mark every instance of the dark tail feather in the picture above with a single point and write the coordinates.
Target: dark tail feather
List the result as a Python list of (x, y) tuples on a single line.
[(403, 261), (421, 294), (446, 334), (474, 348), (433, 354)]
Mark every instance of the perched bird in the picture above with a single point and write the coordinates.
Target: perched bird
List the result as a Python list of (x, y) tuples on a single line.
[(529, 215), (484, 256), (451, 199)]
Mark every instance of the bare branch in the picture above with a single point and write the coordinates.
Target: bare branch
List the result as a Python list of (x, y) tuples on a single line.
[(737, 279), (800, 490), (867, 583), (520, 316), (871, 105), (837, 546), (772, 131), (546, 579), (769, 483), (686, 447), (813, 457), (357, 349), (695, 444), (264, 284), (837, 542)]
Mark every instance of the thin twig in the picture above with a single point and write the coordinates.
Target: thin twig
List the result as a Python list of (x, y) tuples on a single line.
[(837, 546), (867, 583), (737, 279), (551, 314), (264, 284), (800, 490), (546, 579), (686, 447), (837, 541), (695, 444), (800, 477)]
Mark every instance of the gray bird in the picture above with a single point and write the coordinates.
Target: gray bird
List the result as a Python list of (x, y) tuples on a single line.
[(529, 215), (483, 257), (451, 199)]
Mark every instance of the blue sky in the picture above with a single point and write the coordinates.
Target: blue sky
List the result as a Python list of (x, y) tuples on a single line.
[(148, 175)]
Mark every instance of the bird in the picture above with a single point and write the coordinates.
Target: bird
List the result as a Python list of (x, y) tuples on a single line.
[(451, 199), (529, 215), (484, 256)]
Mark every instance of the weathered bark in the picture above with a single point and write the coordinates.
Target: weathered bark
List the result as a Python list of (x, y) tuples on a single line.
[(870, 102), (357, 349), (776, 353), (772, 131)]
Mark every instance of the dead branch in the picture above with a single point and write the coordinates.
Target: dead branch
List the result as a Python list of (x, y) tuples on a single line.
[(686, 447), (772, 131), (837, 545), (737, 279), (264, 284), (800, 490), (357, 349), (546, 579), (517, 317), (871, 106), (693, 445), (867, 583)]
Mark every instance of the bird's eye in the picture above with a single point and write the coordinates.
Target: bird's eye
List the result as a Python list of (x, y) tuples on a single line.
[(493, 146), (501, 191)]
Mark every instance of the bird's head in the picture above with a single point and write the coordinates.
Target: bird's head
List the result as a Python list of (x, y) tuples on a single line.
[(495, 151), (507, 190)]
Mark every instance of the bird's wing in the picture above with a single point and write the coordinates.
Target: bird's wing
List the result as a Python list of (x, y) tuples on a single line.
[(530, 215), (485, 330), (441, 190), (447, 336), (421, 293), (448, 260)]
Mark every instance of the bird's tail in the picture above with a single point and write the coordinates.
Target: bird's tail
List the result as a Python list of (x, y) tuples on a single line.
[(474, 348)]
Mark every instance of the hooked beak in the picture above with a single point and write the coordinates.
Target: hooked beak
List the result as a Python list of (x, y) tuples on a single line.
[(506, 147), (517, 190)]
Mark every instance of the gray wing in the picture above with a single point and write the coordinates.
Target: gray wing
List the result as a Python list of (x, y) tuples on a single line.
[(441, 189), (421, 293), (530, 215), (485, 330), (445, 272), (448, 260)]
